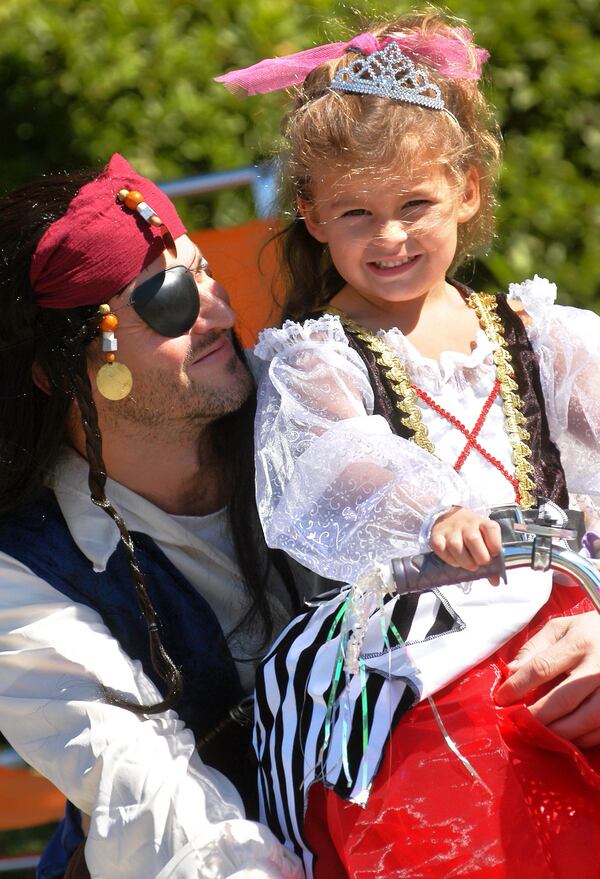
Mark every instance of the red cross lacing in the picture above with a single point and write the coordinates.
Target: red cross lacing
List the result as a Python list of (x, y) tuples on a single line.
[(472, 435)]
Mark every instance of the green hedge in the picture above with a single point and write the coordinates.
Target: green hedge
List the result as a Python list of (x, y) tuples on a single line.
[(83, 78)]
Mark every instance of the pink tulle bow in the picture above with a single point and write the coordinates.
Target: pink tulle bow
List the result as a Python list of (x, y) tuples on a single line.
[(452, 53)]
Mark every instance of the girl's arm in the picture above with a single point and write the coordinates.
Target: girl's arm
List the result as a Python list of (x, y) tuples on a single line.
[(336, 489)]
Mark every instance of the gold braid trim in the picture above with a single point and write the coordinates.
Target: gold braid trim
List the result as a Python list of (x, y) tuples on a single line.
[(484, 306), (398, 377)]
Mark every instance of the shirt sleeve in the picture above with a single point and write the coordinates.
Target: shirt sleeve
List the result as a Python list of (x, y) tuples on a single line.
[(336, 489), (567, 344), (155, 809)]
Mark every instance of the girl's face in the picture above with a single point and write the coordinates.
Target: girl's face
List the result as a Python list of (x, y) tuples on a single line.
[(391, 240)]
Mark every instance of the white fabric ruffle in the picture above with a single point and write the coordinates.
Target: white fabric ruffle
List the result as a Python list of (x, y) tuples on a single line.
[(454, 367), (567, 344), (276, 340)]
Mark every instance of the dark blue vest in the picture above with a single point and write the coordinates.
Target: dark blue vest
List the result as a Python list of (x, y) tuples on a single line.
[(38, 537)]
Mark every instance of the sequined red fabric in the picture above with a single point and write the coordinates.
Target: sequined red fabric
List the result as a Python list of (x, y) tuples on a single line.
[(427, 819)]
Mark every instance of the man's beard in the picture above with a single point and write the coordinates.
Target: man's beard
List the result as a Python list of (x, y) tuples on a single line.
[(158, 402)]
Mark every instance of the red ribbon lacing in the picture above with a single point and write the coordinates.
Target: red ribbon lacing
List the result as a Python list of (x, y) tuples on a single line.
[(472, 435)]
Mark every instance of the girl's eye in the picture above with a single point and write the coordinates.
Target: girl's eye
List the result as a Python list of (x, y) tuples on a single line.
[(356, 212), (414, 209)]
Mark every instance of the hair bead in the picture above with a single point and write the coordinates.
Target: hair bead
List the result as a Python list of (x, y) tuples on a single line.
[(134, 201), (109, 322), (132, 198), (113, 380)]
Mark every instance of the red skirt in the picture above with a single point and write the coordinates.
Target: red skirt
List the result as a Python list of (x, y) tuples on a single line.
[(427, 819)]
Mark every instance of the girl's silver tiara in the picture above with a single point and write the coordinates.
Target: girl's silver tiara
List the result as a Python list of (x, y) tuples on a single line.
[(390, 74)]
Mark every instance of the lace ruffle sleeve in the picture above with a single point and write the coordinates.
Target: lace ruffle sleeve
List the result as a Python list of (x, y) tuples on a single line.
[(275, 340), (336, 489), (567, 343)]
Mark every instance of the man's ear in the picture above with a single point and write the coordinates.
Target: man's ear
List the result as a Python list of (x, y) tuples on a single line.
[(471, 198), (316, 229), (40, 379)]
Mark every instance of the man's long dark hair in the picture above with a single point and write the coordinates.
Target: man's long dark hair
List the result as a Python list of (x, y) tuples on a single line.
[(33, 423), (234, 437)]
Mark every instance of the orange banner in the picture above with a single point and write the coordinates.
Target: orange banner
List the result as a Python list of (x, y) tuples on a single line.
[(242, 258), (27, 800)]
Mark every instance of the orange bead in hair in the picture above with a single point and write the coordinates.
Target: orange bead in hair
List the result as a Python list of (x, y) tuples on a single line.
[(110, 357), (109, 322), (133, 199)]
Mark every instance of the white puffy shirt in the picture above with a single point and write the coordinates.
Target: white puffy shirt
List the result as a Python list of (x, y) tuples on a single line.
[(155, 809)]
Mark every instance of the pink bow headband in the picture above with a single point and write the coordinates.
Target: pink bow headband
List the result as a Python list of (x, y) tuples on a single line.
[(451, 53)]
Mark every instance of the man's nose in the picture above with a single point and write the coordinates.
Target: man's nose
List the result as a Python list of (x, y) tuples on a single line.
[(215, 312)]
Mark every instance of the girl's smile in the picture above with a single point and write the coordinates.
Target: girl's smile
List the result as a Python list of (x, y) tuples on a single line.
[(392, 267)]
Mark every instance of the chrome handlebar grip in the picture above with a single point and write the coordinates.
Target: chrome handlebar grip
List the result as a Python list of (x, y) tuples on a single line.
[(564, 560)]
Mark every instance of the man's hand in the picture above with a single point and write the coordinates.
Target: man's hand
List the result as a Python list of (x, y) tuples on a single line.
[(465, 540), (565, 650)]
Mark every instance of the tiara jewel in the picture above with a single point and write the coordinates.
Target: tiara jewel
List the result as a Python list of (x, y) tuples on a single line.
[(390, 74)]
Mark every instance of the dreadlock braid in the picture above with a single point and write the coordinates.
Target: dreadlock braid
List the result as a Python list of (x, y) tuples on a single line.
[(75, 364)]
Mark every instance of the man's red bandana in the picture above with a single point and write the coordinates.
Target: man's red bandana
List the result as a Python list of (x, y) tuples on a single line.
[(99, 245)]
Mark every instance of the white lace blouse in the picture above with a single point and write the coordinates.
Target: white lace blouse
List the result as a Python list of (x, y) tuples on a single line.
[(338, 491)]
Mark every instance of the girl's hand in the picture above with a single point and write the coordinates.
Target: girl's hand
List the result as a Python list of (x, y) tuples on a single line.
[(463, 539)]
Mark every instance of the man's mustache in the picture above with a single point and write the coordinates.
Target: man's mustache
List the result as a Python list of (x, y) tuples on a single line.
[(208, 341)]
